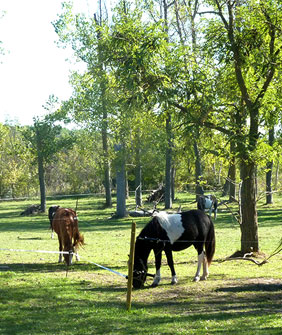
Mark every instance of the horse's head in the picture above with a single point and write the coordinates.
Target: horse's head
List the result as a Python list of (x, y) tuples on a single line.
[(139, 273), (68, 257), (142, 251)]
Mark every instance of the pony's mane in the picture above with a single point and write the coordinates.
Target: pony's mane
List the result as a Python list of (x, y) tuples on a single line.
[(152, 229)]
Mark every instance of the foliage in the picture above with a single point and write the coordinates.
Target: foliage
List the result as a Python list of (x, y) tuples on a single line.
[(79, 169), (17, 173)]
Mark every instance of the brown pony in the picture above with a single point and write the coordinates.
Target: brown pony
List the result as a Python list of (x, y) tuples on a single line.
[(65, 224)]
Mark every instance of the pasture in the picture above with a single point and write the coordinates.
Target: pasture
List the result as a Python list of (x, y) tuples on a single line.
[(39, 296)]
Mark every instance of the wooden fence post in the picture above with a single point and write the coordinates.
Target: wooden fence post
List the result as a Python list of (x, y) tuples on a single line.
[(130, 266)]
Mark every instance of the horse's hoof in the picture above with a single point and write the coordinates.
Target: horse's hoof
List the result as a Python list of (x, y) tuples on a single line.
[(156, 282), (174, 280), (203, 278), (196, 279)]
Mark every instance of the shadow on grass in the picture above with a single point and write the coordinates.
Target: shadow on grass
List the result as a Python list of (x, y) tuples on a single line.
[(57, 267), (95, 308), (267, 217), (258, 287), (37, 222)]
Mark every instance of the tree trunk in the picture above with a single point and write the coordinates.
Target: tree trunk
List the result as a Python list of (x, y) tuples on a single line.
[(121, 186), (107, 174), (138, 175), (232, 177), (276, 176), (198, 171), (269, 167), (249, 220), (41, 183), (168, 168), (173, 173), (104, 130), (231, 174)]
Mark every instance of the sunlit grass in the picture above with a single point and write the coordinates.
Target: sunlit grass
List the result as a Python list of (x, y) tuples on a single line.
[(39, 296)]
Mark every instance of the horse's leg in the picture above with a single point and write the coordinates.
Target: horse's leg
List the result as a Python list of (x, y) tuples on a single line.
[(169, 258), (158, 263), (70, 250), (210, 211), (201, 256), (205, 269), (70, 255), (215, 212), (60, 249), (76, 253)]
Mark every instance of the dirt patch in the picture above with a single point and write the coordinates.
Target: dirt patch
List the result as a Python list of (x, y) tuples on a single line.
[(255, 295)]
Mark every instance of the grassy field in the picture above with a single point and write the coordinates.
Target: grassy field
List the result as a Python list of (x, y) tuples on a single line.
[(39, 296)]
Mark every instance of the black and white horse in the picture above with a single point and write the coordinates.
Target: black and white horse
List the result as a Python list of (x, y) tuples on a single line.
[(174, 232), (51, 213), (207, 202)]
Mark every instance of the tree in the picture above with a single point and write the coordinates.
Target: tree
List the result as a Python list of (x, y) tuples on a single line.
[(269, 168), (15, 159), (92, 98), (120, 179), (246, 46), (45, 140), (253, 47), (78, 169)]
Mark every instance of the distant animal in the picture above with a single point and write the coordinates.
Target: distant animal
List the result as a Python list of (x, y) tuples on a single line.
[(156, 195), (33, 209), (65, 224), (207, 202), (51, 212), (174, 232)]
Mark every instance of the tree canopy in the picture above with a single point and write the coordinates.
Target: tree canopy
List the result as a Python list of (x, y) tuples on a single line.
[(190, 90)]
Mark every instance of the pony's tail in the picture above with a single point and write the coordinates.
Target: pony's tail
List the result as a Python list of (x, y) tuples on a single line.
[(78, 239), (210, 243)]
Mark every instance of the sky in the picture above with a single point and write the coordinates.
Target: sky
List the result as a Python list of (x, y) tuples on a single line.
[(33, 67)]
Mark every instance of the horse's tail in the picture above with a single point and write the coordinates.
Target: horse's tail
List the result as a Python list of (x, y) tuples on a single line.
[(210, 243), (78, 239)]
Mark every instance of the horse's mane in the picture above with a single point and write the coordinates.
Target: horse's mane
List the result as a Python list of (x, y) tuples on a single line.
[(152, 229)]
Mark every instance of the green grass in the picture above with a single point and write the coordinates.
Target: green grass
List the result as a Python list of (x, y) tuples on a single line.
[(38, 295)]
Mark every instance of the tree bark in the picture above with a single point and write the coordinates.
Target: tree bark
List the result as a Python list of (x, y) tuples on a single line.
[(198, 170), (232, 172), (249, 219), (168, 168), (173, 173), (41, 183), (107, 174), (121, 185), (138, 174), (104, 130), (229, 185), (269, 167)]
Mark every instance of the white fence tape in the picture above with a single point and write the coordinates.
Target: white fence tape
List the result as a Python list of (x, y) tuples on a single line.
[(39, 251), (105, 268), (65, 252)]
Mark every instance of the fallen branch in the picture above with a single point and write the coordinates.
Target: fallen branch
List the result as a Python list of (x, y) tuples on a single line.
[(245, 257)]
